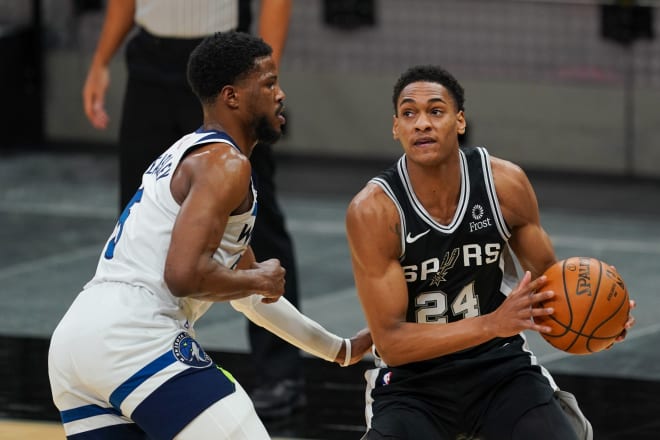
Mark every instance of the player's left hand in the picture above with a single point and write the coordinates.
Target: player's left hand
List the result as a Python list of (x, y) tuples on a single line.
[(361, 344), (629, 323)]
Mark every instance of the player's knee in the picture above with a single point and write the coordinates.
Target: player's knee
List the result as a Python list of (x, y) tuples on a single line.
[(544, 422)]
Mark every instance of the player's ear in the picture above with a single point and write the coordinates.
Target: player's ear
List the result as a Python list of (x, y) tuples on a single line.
[(395, 128), (229, 95), (461, 122)]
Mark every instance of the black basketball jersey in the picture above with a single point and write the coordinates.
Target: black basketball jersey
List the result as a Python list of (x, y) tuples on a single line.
[(457, 270)]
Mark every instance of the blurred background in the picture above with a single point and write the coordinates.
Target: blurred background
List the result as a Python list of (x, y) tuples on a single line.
[(570, 90), (557, 85)]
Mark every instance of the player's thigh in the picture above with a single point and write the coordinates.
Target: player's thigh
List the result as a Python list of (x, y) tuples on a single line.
[(544, 422), (232, 417), (406, 418), (508, 402)]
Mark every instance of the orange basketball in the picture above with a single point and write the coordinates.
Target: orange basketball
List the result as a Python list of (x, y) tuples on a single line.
[(591, 305)]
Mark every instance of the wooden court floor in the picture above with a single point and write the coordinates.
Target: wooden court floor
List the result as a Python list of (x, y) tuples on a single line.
[(35, 430), (23, 430)]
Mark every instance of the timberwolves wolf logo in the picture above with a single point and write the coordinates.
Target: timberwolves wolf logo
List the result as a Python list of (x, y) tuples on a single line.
[(188, 351)]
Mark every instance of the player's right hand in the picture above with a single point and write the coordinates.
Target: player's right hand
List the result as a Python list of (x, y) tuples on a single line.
[(517, 311), (96, 85), (272, 274)]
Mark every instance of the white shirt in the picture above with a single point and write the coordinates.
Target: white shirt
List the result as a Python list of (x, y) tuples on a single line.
[(137, 249), (186, 18)]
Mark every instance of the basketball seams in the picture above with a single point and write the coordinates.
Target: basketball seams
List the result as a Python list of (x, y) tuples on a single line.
[(589, 314), (569, 325), (553, 317), (594, 300), (607, 319)]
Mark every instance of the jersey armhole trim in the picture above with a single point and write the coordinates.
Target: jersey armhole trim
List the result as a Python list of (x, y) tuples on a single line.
[(492, 195), (388, 191)]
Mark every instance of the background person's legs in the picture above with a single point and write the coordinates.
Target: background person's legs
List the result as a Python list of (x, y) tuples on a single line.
[(278, 373)]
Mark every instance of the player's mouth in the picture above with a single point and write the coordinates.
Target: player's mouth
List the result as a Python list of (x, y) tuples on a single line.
[(424, 142), (279, 115)]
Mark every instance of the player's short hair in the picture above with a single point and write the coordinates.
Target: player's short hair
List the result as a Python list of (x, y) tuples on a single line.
[(430, 73), (221, 59)]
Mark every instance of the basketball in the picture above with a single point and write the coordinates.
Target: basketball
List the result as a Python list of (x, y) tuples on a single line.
[(591, 305)]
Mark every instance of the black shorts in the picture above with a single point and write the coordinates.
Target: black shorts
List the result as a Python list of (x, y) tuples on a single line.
[(483, 397)]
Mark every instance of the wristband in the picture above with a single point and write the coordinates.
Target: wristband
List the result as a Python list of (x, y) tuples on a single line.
[(347, 357)]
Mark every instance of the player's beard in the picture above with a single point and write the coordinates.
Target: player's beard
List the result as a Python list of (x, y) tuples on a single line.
[(265, 131)]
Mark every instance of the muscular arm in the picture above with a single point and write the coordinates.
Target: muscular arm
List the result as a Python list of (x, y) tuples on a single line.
[(210, 184), (529, 241), (274, 25), (118, 22), (374, 230)]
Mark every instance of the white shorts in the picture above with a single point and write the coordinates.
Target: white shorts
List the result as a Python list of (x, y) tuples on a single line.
[(122, 364)]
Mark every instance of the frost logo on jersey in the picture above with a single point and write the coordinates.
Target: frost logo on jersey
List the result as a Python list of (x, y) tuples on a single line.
[(447, 263), (387, 377), (188, 351), (477, 215), (477, 212)]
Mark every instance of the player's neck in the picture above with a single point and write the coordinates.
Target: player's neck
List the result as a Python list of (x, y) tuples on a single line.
[(243, 141), (438, 188)]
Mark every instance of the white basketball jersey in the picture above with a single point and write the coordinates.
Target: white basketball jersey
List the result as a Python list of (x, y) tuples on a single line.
[(136, 251)]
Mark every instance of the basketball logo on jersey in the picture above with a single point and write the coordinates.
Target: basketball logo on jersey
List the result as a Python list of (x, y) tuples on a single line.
[(447, 264), (477, 215), (188, 351)]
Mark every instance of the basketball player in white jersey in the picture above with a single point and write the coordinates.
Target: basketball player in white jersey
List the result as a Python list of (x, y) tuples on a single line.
[(123, 361), (159, 36), (430, 240), (158, 108)]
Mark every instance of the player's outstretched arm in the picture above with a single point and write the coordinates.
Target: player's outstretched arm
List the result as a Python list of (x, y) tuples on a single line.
[(287, 322)]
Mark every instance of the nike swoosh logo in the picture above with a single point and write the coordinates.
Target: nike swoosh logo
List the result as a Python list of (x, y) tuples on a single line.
[(411, 239)]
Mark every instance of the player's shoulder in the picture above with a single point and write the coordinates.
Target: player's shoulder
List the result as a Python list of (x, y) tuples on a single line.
[(371, 194), (220, 157), (370, 205), (514, 190), (507, 174), (500, 165), (215, 167)]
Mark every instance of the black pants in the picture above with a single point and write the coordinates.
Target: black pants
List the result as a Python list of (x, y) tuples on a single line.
[(497, 394), (543, 422), (159, 108)]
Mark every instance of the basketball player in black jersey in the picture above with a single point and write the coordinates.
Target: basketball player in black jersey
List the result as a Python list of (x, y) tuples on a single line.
[(430, 240)]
